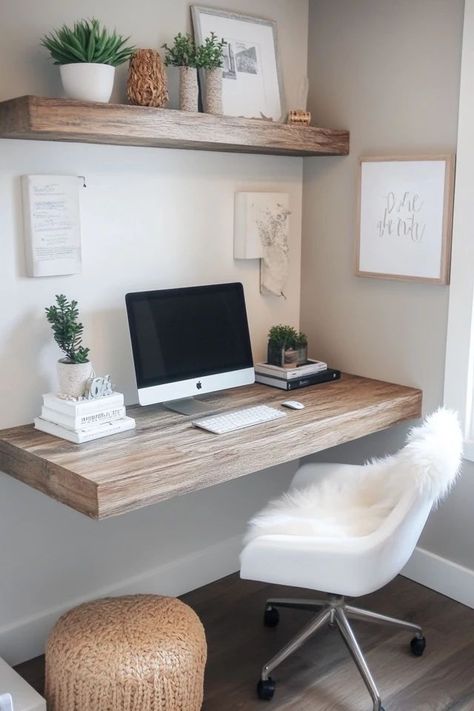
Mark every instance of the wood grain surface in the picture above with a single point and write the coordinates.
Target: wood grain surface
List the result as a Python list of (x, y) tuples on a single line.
[(37, 118), (321, 676), (165, 456)]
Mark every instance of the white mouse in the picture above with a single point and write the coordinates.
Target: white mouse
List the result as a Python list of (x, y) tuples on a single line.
[(293, 404)]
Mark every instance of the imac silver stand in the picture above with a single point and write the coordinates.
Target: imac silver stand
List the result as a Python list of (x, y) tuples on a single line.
[(189, 406)]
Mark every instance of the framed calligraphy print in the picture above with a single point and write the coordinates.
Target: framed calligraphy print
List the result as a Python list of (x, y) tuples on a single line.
[(405, 218)]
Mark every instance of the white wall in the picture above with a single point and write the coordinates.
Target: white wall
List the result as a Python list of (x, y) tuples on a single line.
[(388, 71), (151, 218)]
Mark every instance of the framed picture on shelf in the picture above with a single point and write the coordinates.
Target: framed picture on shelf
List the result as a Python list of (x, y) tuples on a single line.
[(405, 218), (252, 84)]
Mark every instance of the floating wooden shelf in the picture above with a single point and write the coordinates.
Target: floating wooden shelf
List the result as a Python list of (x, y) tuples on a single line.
[(165, 456), (36, 118)]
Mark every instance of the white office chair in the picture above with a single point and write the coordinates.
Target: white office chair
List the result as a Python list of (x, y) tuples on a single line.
[(305, 540)]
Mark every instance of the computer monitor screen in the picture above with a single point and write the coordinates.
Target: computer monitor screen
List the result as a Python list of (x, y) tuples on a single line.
[(189, 341)]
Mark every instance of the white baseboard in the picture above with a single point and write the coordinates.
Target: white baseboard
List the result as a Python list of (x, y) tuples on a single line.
[(442, 575), (25, 638)]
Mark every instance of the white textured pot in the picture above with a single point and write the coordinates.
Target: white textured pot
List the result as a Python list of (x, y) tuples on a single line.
[(88, 82), (213, 94), (73, 377), (188, 89)]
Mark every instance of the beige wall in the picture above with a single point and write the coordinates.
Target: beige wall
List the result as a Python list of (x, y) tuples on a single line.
[(150, 218), (388, 71)]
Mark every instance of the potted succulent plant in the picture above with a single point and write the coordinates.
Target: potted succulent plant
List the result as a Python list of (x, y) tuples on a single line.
[(210, 58), (182, 54), (287, 347), (74, 370), (87, 54)]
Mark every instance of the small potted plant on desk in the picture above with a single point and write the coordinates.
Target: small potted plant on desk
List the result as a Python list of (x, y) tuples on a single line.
[(75, 369), (87, 54), (183, 55), (287, 347)]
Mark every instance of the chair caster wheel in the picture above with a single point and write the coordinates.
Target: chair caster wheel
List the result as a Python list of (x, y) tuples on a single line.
[(266, 689), (417, 646), (271, 617)]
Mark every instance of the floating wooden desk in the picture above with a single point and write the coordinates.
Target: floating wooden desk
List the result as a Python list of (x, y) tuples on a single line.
[(165, 456)]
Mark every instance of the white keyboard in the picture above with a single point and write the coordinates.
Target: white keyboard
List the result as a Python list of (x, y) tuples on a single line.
[(237, 420)]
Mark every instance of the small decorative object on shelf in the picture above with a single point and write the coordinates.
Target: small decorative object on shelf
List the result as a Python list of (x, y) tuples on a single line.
[(287, 347), (298, 117), (147, 84), (75, 369), (183, 55), (87, 54), (210, 58)]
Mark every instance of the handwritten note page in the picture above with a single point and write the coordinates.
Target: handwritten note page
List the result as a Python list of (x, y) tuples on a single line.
[(401, 226), (52, 224)]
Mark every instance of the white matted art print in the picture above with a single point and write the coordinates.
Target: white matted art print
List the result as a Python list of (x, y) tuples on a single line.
[(251, 78), (405, 218), (261, 231)]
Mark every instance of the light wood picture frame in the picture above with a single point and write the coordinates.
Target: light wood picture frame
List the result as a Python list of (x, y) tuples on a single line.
[(405, 213), (252, 78)]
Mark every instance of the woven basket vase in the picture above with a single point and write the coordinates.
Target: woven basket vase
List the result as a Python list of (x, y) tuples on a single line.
[(133, 653), (147, 84)]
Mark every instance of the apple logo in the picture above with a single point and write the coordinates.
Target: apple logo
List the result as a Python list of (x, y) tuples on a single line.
[(199, 385)]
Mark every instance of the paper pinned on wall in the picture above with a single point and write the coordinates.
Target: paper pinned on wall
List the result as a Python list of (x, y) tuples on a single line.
[(51, 224)]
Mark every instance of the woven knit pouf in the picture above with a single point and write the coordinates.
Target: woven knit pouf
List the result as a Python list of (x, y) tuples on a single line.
[(133, 653)]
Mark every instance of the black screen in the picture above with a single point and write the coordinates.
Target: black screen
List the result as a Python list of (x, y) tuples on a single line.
[(186, 333)]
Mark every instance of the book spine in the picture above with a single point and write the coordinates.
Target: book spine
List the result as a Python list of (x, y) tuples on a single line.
[(273, 382), (290, 373), (82, 421), (315, 379), (81, 408)]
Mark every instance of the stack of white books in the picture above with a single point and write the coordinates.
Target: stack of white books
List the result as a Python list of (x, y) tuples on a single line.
[(83, 420)]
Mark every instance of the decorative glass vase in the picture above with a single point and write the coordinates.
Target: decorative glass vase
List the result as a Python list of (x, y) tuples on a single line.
[(286, 357), (188, 89), (213, 93)]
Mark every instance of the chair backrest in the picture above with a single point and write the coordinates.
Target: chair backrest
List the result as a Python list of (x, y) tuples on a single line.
[(430, 461)]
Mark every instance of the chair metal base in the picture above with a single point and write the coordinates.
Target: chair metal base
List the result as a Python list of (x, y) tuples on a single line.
[(336, 613)]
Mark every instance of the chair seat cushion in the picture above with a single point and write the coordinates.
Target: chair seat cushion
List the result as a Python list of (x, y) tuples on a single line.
[(347, 501)]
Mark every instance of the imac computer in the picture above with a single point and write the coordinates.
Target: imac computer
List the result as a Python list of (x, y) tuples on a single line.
[(187, 342)]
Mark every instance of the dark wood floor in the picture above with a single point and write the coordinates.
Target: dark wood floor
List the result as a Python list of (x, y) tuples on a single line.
[(321, 676)]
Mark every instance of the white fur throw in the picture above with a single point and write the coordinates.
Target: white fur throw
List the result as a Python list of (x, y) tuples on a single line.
[(355, 501)]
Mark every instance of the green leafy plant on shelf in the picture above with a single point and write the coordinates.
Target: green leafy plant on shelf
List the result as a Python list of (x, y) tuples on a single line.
[(67, 330), (87, 41), (210, 54), (286, 346), (182, 53)]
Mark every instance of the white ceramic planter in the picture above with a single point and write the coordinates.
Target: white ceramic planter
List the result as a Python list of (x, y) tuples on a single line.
[(73, 378), (88, 82)]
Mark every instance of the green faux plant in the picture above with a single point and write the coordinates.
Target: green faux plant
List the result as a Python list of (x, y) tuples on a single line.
[(182, 53), (67, 330), (286, 346), (286, 337), (87, 41), (210, 54)]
